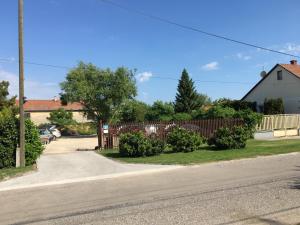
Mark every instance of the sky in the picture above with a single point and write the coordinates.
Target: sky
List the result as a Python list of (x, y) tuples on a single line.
[(64, 32)]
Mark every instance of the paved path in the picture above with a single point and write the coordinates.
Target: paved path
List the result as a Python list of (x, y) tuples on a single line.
[(265, 191), (61, 163)]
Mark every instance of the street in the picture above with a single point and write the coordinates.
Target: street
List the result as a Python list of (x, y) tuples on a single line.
[(265, 190)]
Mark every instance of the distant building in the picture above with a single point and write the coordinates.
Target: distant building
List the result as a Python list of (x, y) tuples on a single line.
[(282, 81), (39, 110)]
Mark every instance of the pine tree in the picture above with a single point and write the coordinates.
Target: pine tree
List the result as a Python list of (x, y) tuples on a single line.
[(186, 97)]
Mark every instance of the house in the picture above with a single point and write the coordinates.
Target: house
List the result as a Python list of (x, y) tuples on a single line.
[(39, 110), (282, 81)]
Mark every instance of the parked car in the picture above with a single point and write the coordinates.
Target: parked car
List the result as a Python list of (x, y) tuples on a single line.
[(55, 131), (46, 136)]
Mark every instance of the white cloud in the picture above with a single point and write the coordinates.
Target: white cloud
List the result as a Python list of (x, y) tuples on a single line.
[(291, 48), (33, 89), (145, 76), (211, 66), (243, 57)]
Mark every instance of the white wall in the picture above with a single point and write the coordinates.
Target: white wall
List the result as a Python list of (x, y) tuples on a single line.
[(288, 89), (41, 117)]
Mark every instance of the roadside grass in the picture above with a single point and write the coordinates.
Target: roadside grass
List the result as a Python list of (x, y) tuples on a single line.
[(14, 172), (208, 154)]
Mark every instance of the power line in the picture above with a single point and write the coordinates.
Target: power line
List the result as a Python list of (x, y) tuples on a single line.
[(187, 27), (37, 64)]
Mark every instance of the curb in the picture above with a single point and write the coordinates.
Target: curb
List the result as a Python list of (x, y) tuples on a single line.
[(94, 178)]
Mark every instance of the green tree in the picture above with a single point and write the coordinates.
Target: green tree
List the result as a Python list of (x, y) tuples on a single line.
[(160, 111), (273, 106), (5, 101), (186, 97), (101, 91), (133, 111), (61, 117)]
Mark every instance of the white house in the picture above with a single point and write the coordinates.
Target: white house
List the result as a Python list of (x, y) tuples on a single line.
[(283, 81)]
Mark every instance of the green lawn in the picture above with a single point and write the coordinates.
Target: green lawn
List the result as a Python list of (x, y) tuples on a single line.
[(14, 172), (207, 154)]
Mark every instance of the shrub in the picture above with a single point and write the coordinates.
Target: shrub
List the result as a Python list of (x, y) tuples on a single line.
[(226, 138), (220, 112), (79, 129), (273, 106), (182, 117), (237, 104), (61, 117), (251, 119), (137, 145), (8, 138), (181, 140), (33, 145)]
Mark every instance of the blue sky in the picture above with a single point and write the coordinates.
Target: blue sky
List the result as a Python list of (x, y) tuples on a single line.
[(62, 32)]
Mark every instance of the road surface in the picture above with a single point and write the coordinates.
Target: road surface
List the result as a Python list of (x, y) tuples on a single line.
[(254, 191)]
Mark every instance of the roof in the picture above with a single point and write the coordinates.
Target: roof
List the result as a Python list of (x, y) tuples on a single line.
[(49, 105), (293, 69)]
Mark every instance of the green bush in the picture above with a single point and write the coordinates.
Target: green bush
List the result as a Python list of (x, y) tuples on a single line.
[(8, 138), (226, 138), (61, 117), (181, 140), (220, 112), (137, 145), (182, 117), (273, 106), (79, 129), (237, 104), (251, 119), (33, 145)]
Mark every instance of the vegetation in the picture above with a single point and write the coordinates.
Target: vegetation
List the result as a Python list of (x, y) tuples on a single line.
[(162, 111), (61, 117), (9, 134), (181, 140), (33, 145), (133, 111), (79, 129), (186, 98), (207, 153), (101, 91), (5, 101), (137, 145), (14, 172), (273, 106), (8, 138), (226, 138)]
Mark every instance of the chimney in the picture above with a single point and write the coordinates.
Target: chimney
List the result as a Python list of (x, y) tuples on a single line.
[(293, 62)]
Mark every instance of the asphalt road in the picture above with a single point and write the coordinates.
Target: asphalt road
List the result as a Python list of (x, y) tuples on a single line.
[(256, 191)]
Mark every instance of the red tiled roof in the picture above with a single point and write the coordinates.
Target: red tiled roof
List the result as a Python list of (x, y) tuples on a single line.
[(294, 69), (50, 105)]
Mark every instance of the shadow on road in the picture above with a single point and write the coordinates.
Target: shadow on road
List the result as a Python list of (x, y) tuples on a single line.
[(296, 182)]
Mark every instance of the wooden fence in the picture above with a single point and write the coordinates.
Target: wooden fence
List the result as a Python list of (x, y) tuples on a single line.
[(160, 129), (279, 122)]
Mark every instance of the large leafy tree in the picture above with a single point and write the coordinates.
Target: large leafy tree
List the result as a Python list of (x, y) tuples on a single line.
[(133, 111), (187, 98), (101, 91), (160, 111), (5, 101)]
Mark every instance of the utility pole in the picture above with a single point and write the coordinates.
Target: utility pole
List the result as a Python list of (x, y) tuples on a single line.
[(21, 86)]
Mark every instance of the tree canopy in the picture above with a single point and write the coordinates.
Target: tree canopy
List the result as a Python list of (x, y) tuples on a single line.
[(5, 101), (187, 98), (101, 91)]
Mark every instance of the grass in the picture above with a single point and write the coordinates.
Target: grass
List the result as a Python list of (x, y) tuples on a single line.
[(208, 154), (14, 172)]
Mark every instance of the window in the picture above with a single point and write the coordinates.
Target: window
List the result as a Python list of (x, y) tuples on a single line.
[(279, 75), (27, 115)]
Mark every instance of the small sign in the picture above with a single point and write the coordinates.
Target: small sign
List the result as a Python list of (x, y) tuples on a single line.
[(105, 129)]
